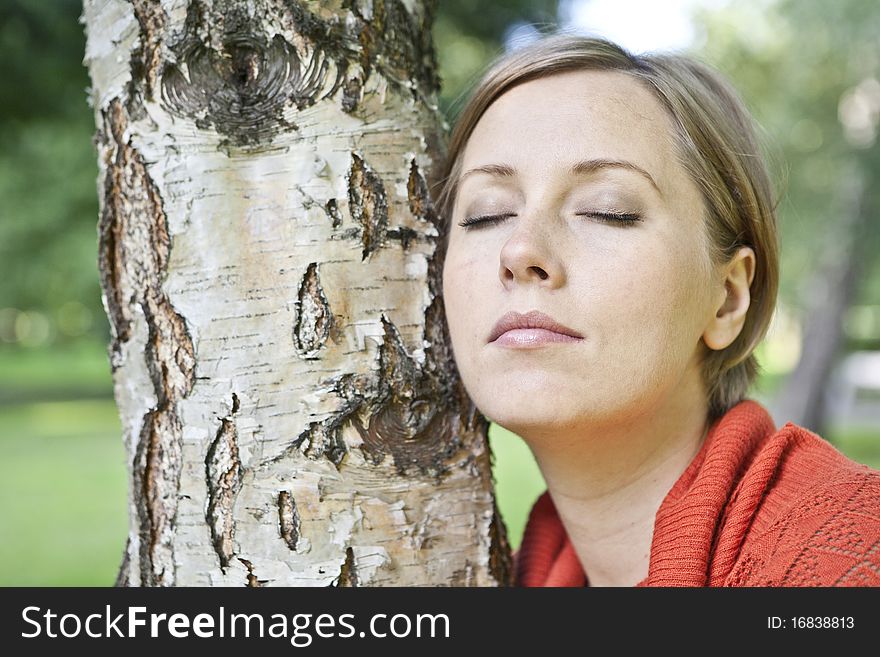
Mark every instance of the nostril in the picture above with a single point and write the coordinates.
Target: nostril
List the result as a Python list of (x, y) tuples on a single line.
[(540, 272)]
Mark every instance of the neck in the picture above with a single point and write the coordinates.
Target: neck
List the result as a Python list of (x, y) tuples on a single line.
[(607, 483)]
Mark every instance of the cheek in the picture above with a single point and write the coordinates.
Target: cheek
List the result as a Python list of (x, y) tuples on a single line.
[(683, 312), (460, 293), (652, 304)]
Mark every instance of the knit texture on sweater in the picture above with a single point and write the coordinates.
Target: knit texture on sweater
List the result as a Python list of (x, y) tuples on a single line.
[(756, 506)]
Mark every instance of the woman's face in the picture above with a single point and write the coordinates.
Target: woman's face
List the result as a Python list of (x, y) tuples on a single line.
[(595, 225)]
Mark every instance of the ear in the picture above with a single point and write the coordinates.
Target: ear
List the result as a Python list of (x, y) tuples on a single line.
[(733, 302)]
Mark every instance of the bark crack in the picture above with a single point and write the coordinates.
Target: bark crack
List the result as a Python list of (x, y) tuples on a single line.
[(288, 518), (367, 203), (313, 319), (145, 62), (333, 213), (324, 439), (418, 196), (397, 43), (134, 249), (403, 411), (500, 560), (252, 580), (223, 479), (409, 420), (348, 576)]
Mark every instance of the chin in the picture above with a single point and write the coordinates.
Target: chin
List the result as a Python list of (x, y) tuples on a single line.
[(549, 409), (527, 415)]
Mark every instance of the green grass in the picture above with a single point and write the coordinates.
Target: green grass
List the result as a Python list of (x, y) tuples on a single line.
[(78, 370), (518, 482), (63, 502), (860, 445)]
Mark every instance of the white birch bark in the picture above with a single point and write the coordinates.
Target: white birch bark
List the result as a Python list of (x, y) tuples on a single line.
[(270, 263)]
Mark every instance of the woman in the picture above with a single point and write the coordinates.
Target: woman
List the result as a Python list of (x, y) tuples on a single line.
[(611, 266)]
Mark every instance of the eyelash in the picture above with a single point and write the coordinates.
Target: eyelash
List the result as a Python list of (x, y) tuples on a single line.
[(622, 218)]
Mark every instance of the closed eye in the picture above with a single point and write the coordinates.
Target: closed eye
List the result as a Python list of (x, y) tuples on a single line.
[(625, 218), (484, 220)]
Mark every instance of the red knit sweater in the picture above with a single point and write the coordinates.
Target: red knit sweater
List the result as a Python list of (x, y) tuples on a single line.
[(755, 507)]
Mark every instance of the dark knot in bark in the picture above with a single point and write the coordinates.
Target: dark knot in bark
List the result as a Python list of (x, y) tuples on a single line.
[(243, 88)]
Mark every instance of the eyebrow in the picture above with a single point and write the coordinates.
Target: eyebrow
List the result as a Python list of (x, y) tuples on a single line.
[(579, 168)]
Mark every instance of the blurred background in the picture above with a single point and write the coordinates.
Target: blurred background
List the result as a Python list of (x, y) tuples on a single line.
[(808, 69)]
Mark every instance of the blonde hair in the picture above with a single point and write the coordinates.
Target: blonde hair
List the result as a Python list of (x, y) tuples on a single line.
[(717, 145)]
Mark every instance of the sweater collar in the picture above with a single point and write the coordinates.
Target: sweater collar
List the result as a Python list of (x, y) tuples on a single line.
[(685, 526)]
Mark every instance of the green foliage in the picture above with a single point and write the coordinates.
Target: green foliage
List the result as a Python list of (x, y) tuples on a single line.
[(48, 239), (468, 35), (42, 46)]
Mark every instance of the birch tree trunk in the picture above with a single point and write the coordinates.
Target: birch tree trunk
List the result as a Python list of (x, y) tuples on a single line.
[(270, 263)]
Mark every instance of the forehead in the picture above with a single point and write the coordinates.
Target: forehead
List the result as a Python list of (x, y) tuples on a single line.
[(546, 124)]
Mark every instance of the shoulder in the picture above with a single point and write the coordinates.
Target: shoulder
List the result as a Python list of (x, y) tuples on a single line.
[(819, 524)]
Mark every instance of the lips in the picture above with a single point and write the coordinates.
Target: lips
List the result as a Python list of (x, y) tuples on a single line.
[(533, 319)]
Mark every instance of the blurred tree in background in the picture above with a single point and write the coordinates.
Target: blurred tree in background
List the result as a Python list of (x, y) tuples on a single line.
[(810, 70)]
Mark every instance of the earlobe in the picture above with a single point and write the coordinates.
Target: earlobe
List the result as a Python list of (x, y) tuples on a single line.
[(730, 313)]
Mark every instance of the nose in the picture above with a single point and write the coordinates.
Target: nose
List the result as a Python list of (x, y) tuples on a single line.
[(529, 256)]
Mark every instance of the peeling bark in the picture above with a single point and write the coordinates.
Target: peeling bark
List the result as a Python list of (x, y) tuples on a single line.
[(270, 263)]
